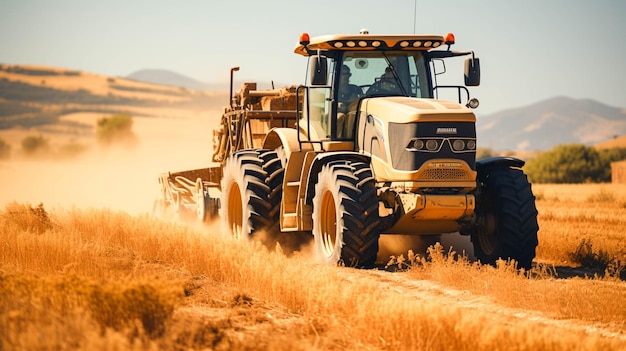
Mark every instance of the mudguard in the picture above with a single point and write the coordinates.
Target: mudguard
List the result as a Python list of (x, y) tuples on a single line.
[(324, 158), (485, 163)]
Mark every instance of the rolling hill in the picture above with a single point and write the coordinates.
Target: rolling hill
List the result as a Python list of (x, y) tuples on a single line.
[(36, 96), (559, 120)]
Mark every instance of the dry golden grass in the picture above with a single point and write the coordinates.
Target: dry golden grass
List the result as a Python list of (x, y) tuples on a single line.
[(97, 279), (571, 214)]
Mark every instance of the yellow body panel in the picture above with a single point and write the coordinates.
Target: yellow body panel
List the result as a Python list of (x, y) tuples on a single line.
[(406, 110), (434, 173), (428, 214)]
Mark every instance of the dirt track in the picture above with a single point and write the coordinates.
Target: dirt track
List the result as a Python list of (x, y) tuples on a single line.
[(236, 319), (403, 285)]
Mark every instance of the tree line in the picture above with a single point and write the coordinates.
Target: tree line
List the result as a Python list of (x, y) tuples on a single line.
[(573, 163)]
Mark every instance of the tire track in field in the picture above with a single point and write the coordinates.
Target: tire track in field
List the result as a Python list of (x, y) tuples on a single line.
[(402, 284)]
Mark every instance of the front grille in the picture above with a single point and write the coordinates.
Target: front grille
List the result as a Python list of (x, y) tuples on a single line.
[(445, 174), (406, 157)]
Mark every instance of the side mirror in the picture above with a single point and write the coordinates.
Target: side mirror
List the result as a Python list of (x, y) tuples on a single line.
[(472, 71), (318, 70)]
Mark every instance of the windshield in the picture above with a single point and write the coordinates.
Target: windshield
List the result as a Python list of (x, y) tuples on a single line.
[(380, 73)]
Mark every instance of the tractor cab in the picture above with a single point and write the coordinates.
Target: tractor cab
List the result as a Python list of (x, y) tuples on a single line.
[(346, 69)]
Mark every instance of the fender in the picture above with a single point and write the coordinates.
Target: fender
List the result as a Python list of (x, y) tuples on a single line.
[(325, 158), (484, 164), (285, 137)]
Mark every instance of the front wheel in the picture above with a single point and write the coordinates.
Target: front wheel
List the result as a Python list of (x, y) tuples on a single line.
[(345, 215), (507, 218)]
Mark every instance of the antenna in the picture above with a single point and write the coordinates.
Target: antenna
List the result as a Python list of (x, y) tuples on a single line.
[(414, 16)]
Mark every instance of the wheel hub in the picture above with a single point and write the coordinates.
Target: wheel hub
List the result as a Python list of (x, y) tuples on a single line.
[(235, 212), (487, 235), (328, 224)]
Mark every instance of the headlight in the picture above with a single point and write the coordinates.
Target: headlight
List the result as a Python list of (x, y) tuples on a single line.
[(418, 144), (458, 145), (471, 145), (431, 145)]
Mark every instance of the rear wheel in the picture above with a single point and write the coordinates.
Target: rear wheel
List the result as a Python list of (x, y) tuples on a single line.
[(244, 201), (345, 215), (507, 218)]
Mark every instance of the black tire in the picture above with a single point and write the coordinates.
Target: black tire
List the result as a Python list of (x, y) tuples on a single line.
[(345, 215), (245, 208), (507, 218), (274, 168)]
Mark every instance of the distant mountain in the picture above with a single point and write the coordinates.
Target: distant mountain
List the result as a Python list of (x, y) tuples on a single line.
[(165, 77), (543, 125)]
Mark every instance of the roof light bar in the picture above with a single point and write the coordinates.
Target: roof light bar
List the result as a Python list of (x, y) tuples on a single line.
[(371, 44), (308, 46)]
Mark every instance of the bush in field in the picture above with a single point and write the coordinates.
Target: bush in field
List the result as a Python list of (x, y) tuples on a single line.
[(587, 257), (35, 146), (573, 163), (5, 150), (117, 306), (26, 217), (115, 128)]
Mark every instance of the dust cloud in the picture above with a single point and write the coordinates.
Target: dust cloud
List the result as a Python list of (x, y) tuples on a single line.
[(117, 178), (126, 179)]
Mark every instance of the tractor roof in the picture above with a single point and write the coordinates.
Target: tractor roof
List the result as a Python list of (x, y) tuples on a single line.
[(372, 42)]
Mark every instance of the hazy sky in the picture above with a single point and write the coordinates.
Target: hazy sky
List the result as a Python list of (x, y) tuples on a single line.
[(530, 50)]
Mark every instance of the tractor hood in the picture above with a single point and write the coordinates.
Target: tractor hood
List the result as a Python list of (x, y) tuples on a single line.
[(401, 109), (410, 138)]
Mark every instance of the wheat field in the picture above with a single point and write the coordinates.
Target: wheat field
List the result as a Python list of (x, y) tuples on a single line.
[(572, 213), (96, 279)]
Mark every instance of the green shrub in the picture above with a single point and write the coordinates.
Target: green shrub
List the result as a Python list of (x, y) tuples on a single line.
[(115, 128), (35, 146)]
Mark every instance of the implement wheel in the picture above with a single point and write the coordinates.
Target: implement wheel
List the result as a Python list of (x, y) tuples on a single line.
[(345, 215)]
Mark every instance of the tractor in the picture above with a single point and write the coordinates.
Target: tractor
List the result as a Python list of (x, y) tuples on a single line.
[(365, 148)]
